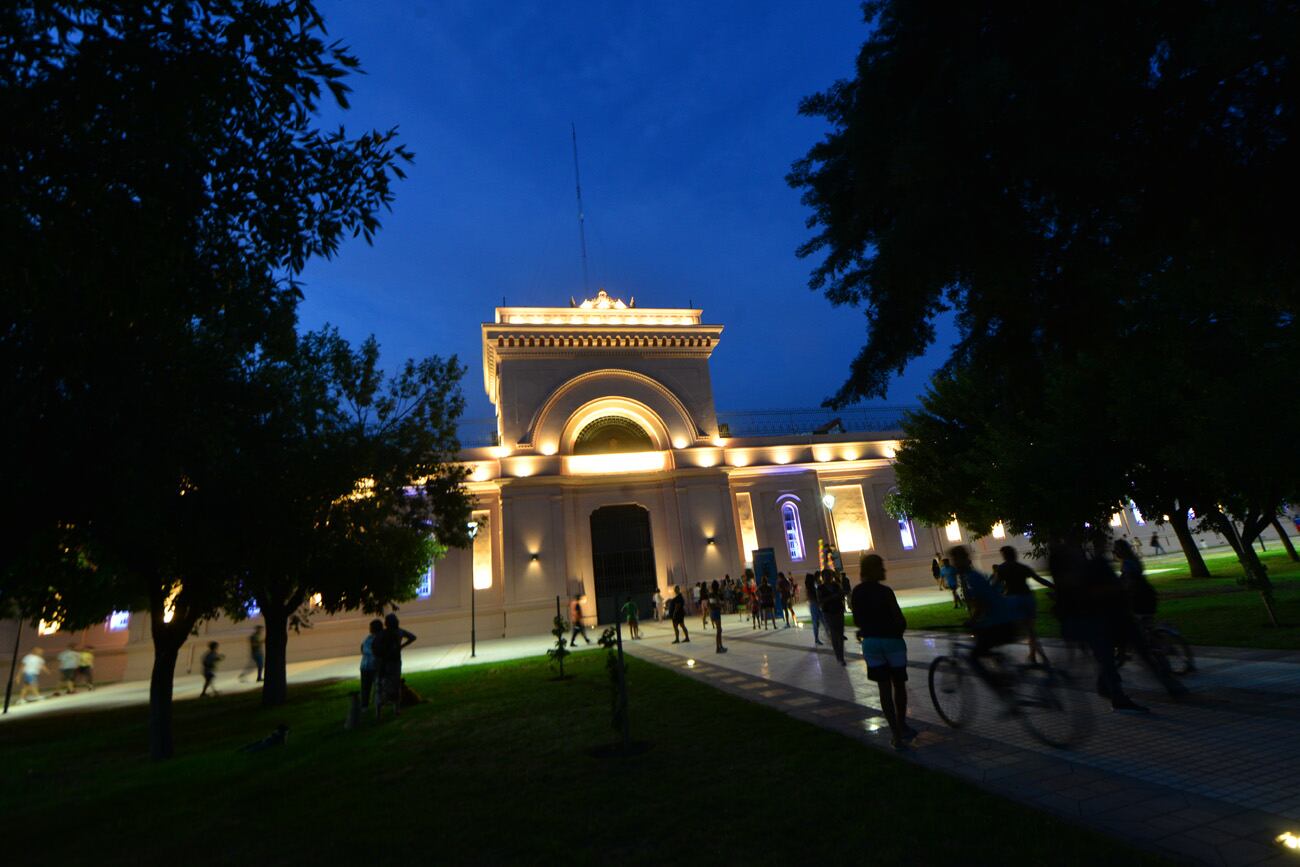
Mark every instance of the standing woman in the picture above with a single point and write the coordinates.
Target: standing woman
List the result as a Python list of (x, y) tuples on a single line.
[(715, 612), (880, 624), (368, 663), (388, 654)]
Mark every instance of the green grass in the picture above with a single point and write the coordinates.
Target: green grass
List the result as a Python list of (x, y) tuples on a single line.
[(495, 768), (1212, 612)]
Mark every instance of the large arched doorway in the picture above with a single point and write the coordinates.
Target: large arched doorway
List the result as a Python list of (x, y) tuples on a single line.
[(623, 560)]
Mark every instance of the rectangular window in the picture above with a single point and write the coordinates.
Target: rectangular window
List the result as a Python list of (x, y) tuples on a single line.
[(1137, 514), (748, 535), (907, 533), (119, 620), (999, 530), (253, 610), (425, 588), (482, 553), (849, 514), (1117, 520), (953, 531)]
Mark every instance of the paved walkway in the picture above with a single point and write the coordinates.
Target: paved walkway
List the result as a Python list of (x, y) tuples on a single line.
[(1213, 779)]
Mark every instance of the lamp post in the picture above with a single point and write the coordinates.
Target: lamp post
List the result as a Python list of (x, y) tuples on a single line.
[(473, 593), (828, 500)]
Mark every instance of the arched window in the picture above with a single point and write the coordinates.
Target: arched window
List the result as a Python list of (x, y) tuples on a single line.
[(424, 589), (907, 533), (612, 434), (793, 530)]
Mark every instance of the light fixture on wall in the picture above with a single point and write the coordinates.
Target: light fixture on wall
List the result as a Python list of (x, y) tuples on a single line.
[(710, 541), (534, 557)]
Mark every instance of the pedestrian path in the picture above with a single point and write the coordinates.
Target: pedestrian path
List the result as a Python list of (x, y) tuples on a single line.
[(1211, 779)]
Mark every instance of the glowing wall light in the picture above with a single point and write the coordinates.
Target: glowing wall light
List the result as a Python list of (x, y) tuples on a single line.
[(999, 531), (953, 531), (482, 552), (822, 454), (782, 456), (679, 442), (706, 458), (850, 454), (549, 448), (481, 473), (627, 462)]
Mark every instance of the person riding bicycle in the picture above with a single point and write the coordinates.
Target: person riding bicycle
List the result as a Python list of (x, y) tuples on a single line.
[(1135, 631), (995, 618)]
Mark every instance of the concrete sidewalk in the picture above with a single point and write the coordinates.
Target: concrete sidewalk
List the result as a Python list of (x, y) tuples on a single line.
[(1210, 779)]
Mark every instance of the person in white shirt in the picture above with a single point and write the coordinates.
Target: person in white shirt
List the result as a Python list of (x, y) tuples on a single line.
[(69, 660), (659, 605), (33, 667)]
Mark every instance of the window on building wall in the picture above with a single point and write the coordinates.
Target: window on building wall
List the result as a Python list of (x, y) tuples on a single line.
[(907, 533), (793, 530), (425, 588), (1137, 514), (953, 531), (119, 620)]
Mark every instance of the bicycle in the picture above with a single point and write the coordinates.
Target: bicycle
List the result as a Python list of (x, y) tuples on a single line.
[(1167, 644), (1051, 708)]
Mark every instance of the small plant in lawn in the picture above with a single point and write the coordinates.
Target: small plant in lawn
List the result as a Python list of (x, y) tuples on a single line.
[(557, 653), (617, 688)]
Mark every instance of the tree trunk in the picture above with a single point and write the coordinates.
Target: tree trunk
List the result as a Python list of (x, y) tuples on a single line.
[(165, 651), (274, 679), (1286, 540), (1256, 575), (1195, 562)]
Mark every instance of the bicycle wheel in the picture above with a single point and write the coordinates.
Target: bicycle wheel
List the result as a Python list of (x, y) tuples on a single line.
[(952, 691), (1051, 708), (1176, 650)]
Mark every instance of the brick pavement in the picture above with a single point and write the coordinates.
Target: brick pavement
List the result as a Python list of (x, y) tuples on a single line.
[(1211, 779)]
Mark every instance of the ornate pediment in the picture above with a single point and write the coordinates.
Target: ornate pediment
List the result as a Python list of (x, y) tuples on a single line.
[(602, 301)]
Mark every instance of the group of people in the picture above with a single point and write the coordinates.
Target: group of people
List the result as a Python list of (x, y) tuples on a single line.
[(76, 669)]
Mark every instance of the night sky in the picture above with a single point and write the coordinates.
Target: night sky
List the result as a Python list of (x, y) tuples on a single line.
[(687, 124)]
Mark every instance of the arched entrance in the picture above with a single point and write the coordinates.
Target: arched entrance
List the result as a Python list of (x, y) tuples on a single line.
[(623, 560)]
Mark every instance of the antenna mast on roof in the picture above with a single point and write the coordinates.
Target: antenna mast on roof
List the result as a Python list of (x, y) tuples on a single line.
[(582, 231)]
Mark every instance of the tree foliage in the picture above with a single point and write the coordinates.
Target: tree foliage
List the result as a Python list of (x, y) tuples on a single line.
[(162, 181)]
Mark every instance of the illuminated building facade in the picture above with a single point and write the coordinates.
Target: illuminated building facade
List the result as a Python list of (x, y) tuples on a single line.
[(612, 477)]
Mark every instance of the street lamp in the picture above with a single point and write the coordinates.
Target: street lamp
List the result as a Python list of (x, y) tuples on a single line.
[(473, 594)]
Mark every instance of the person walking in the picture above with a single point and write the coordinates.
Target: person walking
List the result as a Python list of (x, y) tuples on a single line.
[(811, 584), (830, 596), (880, 625), (715, 612), (369, 665), (659, 605), (86, 667), (575, 620), (211, 660), (1015, 577), (703, 590), (783, 593), (631, 613), (387, 649), (33, 666), (255, 658), (949, 576), (677, 614), (1156, 547), (69, 662), (767, 603)]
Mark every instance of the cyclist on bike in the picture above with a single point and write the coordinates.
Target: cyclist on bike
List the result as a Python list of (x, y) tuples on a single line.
[(994, 617), (1014, 577), (1135, 630)]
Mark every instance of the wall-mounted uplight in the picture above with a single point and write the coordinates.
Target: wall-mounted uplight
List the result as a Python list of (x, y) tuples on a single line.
[(710, 541), (534, 557), (679, 443)]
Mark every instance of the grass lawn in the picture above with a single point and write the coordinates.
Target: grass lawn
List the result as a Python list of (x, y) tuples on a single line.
[(495, 768), (1213, 612)]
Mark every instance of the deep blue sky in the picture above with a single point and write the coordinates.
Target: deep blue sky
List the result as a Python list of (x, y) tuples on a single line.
[(687, 124)]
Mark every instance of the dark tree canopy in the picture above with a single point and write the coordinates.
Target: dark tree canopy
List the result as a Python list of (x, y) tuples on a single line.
[(1031, 166), (162, 181)]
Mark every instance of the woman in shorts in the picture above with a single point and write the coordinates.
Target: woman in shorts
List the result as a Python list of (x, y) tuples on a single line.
[(880, 624)]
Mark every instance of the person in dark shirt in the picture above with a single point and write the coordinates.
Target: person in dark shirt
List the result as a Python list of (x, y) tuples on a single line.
[(880, 625), (715, 613), (767, 603), (211, 660), (830, 596), (811, 586), (677, 614), (1015, 577), (783, 598), (387, 649)]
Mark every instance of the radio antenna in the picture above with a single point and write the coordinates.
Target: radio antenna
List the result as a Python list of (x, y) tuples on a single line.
[(582, 230)]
